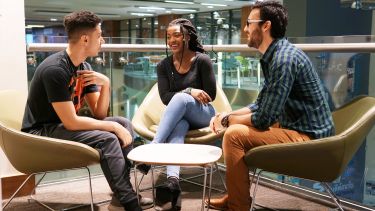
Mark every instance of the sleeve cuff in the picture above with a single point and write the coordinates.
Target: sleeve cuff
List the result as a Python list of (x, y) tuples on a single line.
[(253, 107)]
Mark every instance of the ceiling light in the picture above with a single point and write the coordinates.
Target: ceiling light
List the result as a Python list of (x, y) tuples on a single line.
[(215, 5), (141, 14), (179, 2), (53, 19), (184, 10), (34, 26), (152, 8)]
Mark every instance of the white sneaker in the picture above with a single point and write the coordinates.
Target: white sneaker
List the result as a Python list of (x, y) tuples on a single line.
[(115, 204)]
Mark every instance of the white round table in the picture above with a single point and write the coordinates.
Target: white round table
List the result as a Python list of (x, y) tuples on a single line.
[(204, 156)]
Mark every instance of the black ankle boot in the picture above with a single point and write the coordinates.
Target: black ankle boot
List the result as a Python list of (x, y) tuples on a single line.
[(170, 191), (144, 168)]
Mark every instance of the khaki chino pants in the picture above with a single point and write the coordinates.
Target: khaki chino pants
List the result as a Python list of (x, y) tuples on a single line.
[(238, 139)]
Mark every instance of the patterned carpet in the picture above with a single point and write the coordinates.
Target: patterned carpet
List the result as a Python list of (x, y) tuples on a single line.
[(75, 193)]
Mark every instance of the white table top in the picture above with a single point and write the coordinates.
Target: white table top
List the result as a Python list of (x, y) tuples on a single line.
[(175, 154)]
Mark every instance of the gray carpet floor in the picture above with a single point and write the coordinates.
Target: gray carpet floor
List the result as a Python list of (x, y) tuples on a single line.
[(73, 193)]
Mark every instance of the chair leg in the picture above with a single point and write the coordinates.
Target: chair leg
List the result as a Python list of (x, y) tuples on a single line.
[(204, 187), (32, 197), (255, 188), (90, 185), (210, 185), (253, 177), (335, 199), (75, 207), (221, 177), (18, 190)]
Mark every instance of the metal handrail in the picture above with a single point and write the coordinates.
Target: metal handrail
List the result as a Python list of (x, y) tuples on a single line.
[(316, 47)]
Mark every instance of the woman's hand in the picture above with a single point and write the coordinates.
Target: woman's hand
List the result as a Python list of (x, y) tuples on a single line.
[(201, 96), (91, 77)]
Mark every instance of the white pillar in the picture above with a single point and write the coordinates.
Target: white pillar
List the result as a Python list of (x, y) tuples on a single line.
[(1, 207), (13, 71)]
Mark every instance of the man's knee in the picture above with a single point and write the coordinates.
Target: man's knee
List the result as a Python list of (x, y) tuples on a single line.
[(122, 121), (234, 134), (110, 138)]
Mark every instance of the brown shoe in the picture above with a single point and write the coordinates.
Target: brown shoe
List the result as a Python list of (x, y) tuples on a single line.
[(218, 204)]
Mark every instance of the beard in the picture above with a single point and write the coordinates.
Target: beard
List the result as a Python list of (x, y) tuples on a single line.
[(256, 38)]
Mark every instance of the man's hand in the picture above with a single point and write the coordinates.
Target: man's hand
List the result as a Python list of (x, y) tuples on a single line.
[(91, 77), (215, 123), (201, 96), (123, 134)]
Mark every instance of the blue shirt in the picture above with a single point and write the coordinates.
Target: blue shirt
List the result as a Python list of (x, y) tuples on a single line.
[(292, 93)]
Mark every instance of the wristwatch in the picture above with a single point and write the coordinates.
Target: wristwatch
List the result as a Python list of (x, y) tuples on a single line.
[(225, 121), (187, 90)]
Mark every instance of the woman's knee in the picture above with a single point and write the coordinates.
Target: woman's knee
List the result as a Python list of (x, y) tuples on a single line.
[(182, 125), (181, 99)]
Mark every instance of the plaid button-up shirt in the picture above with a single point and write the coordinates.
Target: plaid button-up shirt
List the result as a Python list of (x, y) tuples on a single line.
[(292, 93)]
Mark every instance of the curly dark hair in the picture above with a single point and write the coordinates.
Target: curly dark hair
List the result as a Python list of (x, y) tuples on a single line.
[(276, 13), (79, 22), (188, 28)]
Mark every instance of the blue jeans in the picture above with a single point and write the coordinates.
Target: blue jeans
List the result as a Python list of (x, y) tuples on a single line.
[(182, 113)]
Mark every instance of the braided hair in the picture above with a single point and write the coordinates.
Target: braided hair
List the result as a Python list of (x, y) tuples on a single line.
[(187, 28)]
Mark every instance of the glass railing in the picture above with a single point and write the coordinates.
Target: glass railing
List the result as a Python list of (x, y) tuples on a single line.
[(345, 65)]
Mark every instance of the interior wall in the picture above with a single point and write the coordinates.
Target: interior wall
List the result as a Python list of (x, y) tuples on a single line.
[(13, 72), (163, 21), (296, 18), (329, 18)]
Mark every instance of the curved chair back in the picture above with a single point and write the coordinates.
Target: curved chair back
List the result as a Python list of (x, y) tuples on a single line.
[(353, 122), (322, 159), (31, 153), (148, 115), (12, 107)]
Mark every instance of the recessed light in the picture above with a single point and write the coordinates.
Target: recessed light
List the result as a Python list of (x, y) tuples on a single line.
[(141, 14), (184, 10), (34, 26), (179, 2), (215, 5), (152, 8)]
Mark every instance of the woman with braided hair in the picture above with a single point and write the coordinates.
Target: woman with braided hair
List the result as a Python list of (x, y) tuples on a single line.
[(187, 85)]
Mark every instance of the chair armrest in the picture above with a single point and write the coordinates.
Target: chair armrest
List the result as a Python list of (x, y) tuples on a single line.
[(143, 130)]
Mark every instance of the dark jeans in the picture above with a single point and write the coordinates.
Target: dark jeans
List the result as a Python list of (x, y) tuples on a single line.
[(113, 159)]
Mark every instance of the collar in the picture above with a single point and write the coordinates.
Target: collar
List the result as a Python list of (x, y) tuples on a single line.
[(73, 69), (267, 56)]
